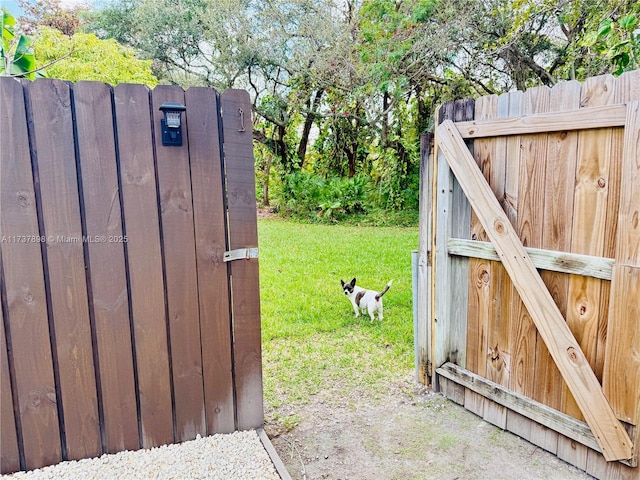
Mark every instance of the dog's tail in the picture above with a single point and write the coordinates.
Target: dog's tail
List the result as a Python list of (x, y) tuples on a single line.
[(386, 289)]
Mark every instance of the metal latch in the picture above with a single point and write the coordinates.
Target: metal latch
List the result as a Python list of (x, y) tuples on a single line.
[(240, 253)]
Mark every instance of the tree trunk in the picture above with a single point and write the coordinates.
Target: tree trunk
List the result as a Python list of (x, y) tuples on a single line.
[(306, 129)]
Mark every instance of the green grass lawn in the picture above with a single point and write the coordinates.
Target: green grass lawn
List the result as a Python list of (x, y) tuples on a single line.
[(312, 342)]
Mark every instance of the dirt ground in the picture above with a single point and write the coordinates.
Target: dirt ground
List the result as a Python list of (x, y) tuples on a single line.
[(410, 433)]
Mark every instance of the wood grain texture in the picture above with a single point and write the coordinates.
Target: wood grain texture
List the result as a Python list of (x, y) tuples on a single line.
[(591, 197), (107, 276), (521, 404), (612, 438), (528, 227), (242, 222), (425, 252), (178, 242), (621, 370), (559, 181), (141, 221), (9, 453), (28, 327), (480, 271), (458, 267), (536, 122), (211, 242), (65, 266), (549, 260)]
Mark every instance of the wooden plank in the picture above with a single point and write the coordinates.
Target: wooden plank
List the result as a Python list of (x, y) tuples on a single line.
[(521, 404), (441, 266), (589, 226), (499, 321), (628, 245), (108, 293), (621, 385), (27, 321), (566, 352), (561, 157), (459, 267), (573, 453), (480, 302), (424, 300), (529, 230), (622, 370), (564, 262), (530, 123), (243, 233), (211, 242), (176, 206), (65, 266), (9, 454), (141, 226)]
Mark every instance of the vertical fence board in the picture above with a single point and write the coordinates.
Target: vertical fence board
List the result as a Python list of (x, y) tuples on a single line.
[(138, 183), (107, 275), (529, 223), (480, 271), (589, 221), (459, 267), (176, 206), (424, 371), (241, 201), (23, 276), (498, 326), (211, 243), (442, 196), (54, 142), (561, 155), (9, 455), (622, 370)]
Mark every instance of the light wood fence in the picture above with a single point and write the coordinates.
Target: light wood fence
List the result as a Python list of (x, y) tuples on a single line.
[(122, 325), (529, 267)]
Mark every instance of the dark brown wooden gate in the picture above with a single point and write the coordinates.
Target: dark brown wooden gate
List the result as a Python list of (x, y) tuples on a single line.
[(123, 326)]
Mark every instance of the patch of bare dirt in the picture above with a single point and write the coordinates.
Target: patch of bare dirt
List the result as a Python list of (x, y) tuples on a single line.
[(411, 433)]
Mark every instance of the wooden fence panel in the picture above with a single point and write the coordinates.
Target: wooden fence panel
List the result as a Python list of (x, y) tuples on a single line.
[(118, 327), (141, 221), (176, 207), (108, 292), (65, 267), (26, 304), (243, 233), (211, 234), (574, 195)]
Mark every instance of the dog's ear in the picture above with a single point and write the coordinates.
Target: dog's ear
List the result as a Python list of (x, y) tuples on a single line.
[(342, 283), (353, 282)]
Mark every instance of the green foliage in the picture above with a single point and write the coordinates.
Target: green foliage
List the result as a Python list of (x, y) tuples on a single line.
[(85, 57), (308, 194), (617, 41), (17, 58)]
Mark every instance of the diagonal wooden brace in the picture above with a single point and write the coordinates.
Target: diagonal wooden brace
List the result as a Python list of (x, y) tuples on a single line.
[(565, 350)]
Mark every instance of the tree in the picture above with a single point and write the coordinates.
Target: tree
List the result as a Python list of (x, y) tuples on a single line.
[(85, 57), (50, 13)]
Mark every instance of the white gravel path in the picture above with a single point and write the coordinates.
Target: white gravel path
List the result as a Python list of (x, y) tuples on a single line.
[(234, 456)]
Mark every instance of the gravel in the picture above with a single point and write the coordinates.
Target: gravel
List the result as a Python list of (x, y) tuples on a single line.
[(234, 456)]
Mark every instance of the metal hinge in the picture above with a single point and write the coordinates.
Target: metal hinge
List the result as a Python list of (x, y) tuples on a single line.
[(240, 254)]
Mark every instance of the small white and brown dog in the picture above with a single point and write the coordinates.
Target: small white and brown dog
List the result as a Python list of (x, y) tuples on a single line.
[(368, 300)]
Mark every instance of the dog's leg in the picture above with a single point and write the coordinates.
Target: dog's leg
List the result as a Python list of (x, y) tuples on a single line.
[(371, 309), (355, 309)]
